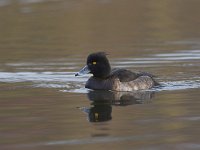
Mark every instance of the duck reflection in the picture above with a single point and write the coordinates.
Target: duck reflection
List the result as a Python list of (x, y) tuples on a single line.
[(102, 102)]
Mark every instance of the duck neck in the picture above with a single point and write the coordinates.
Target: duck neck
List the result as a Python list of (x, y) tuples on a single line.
[(103, 73)]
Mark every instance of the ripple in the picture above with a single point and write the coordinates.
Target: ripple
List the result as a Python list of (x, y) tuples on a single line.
[(60, 80), (59, 73), (183, 53), (69, 83), (178, 85), (39, 77), (163, 58), (93, 140)]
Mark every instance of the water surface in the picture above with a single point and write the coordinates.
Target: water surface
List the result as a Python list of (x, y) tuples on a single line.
[(43, 43)]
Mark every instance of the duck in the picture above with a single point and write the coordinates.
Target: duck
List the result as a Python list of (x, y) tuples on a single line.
[(117, 79)]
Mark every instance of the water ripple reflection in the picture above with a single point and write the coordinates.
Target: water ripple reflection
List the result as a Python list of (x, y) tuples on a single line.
[(102, 102), (169, 67)]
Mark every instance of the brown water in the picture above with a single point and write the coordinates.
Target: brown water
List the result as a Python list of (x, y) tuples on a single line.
[(44, 106)]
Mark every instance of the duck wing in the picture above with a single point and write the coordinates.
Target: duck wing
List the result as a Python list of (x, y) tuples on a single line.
[(127, 75), (124, 75), (146, 74)]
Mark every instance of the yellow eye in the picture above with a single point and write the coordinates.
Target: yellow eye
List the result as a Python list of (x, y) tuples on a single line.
[(94, 62)]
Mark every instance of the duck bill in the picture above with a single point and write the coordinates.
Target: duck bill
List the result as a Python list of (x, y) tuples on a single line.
[(83, 71)]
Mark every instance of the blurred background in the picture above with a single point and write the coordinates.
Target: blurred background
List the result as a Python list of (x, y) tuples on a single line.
[(57, 28)]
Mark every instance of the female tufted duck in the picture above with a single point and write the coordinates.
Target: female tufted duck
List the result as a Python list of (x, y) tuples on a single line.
[(116, 79)]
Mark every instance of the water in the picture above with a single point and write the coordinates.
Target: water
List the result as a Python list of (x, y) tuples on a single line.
[(43, 43)]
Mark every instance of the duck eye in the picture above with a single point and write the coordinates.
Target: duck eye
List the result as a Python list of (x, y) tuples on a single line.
[(94, 62)]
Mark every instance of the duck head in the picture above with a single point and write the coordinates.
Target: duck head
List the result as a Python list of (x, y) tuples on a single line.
[(97, 64)]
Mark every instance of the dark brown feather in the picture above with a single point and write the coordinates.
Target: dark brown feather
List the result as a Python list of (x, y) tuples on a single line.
[(124, 75)]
